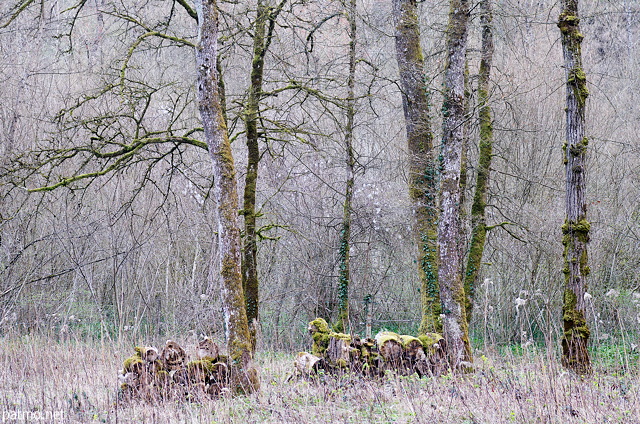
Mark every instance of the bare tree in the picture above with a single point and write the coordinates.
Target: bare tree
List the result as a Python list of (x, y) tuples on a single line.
[(478, 218), (576, 227), (226, 195), (344, 277), (455, 326), (263, 32), (422, 169)]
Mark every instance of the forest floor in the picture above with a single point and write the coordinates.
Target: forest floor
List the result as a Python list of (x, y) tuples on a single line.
[(46, 381)]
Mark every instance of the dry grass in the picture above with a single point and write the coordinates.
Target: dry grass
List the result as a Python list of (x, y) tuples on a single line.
[(78, 381)]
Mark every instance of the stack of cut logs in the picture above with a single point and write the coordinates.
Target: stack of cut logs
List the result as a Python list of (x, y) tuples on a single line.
[(153, 375), (337, 352)]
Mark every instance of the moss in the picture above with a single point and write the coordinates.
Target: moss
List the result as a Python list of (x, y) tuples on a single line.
[(474, 259), (245, 382), (578, 229), (385, 336), (202, 364), (430, 290), (406, 340), (320, 325), (320, 333), (344, 275), (132, 363), (584, 268), (575, 324), (429, 339), (568, 22), (342, 336)]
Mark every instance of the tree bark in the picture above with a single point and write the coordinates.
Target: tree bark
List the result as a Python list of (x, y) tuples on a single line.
[(576, 227), (422, 169), (244, 375), (455, 327), (478, 219)]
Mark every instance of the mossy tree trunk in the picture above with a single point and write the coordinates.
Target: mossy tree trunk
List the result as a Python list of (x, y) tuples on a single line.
[(464, 163), (262, 36), (576, 227), (422, 168), (344, 277), (478, 219), (455, 327), (244, 376), (251, 113)]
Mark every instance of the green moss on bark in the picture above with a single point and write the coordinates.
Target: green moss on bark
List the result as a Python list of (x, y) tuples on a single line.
[(422, 169)]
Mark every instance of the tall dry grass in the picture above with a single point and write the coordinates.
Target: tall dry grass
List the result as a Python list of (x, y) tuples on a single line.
[(78, 381)]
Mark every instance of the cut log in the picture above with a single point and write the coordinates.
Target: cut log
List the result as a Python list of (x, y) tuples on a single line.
[(148, 375), (173, 356), (402, 354), (390, 350), (305, 363), (208, 350)]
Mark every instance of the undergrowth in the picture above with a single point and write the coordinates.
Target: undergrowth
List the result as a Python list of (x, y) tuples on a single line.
[(78, 381)]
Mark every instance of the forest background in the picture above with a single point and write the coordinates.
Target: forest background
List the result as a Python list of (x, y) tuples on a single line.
[(127, 254)]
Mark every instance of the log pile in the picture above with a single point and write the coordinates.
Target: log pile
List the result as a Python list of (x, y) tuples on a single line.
[(334, 352), (152, 375)]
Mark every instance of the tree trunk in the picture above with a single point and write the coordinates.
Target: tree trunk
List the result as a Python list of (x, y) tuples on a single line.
[(422, 169), (244, 375), (262, 35), (464, 235), (344, 277), (251, 113), (576, 227), (478, 219), (455, 327)]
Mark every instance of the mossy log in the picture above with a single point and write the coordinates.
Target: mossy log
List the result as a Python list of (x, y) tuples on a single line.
[(152, 376), (391, 350), (401, 354)]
